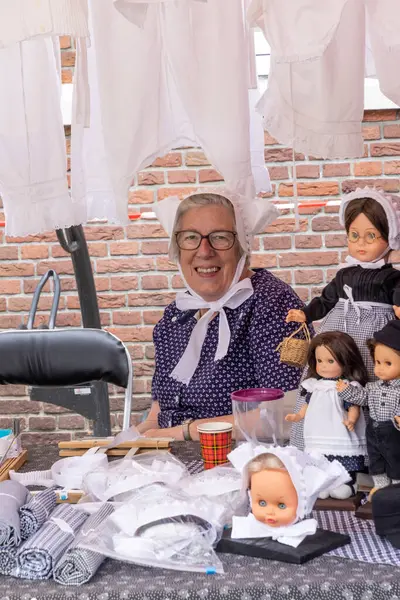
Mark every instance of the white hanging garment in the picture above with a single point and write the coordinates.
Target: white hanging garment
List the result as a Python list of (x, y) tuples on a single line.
[(315, 96), (27, 19), (324, 430), (383, 19), (179, 80), (33, 164)]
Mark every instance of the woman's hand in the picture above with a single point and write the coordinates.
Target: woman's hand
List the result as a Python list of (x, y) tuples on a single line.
[(295, 315), (397, 419), (293, 417), (172, 432), (397, 311), (341, 385)]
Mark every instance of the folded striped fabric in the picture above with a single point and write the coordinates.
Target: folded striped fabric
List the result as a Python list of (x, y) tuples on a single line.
[(8, 560), (78, 565), (33, 514), (37, 556), (13, 495)]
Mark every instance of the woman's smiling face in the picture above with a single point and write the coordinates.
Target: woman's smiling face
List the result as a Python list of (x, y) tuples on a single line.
[(207, 271)]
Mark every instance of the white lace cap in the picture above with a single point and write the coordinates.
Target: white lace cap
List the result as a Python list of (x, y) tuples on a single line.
[(311, 473), (252, 215), (390, 204)]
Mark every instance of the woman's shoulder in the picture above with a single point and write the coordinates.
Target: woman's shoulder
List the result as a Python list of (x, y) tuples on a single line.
[(268, 287)]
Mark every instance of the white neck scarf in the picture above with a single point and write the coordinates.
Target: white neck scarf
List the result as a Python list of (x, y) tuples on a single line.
[(290, 535), (238, 293), (350, 261)]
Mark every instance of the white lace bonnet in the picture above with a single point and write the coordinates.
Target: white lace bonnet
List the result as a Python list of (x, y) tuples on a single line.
[(310, 474), (252, 215), (390, 204)]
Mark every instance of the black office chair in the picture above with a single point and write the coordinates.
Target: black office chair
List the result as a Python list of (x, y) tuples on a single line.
[(67, 367), (73, 357)]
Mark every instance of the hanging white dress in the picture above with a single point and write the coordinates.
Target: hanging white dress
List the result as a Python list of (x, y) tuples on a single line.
[(324, 430), (181, 79), (33, 163)]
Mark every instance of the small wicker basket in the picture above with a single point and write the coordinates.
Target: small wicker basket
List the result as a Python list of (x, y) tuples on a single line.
[(293, 351)]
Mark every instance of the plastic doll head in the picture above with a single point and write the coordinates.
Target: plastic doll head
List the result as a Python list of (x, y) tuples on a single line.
[(367, 229), (273, 496), (335, 354), (385, 351)]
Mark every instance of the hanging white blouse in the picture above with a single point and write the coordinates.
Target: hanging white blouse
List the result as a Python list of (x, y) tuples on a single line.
[(315, 94), (26, 19)]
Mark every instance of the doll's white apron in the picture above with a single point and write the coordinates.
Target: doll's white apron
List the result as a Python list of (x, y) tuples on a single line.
[(324, 430)]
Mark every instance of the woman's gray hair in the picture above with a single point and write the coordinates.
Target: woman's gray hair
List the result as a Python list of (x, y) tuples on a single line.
[(196, 201)]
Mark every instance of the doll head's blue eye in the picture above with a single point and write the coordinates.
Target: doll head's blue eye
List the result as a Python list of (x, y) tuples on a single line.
[(262, 503), (282, 505)]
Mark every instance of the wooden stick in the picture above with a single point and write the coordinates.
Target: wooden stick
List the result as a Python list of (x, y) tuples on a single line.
[(12, 464), (111, 452), (140, 443)]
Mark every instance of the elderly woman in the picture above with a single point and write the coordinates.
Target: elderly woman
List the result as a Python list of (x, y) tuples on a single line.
[(221, 334)]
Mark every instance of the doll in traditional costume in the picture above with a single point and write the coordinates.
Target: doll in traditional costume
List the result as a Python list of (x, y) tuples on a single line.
[(331, 426), (365, 293), (383, 400), (283, 485)]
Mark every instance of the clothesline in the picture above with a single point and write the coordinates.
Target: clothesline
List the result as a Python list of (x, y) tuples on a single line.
[(152, 215)]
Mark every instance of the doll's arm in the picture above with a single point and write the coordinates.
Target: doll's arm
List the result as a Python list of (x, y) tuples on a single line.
[(353, 414), (321, 305), (296, 417), (352, 394)]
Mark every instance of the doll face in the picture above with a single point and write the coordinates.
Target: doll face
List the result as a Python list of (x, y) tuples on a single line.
[(365, 243), (273, 497), (387, 363), (326, 364)]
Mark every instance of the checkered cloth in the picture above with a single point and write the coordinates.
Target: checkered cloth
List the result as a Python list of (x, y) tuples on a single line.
[(365, 545), (360, 327), (8, 560), (37, 556), (382, 397), (78, 565), (13, 495), (215, 447), (34, 514)]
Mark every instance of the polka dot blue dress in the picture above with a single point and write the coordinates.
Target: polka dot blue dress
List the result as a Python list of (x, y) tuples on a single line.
[(257, 327)]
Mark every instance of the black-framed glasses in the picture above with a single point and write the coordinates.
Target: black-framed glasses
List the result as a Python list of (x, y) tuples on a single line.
[(369, 237), (219, 240)]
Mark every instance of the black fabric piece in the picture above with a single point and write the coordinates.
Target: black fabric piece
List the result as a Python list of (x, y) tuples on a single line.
[(312, 546), (368, 285), (389, 335), (383, 446), (386, 513)]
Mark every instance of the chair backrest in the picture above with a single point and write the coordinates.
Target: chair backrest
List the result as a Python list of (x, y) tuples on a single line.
[(61, 357)]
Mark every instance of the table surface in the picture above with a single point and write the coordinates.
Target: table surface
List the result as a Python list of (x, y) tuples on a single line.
[(245, 578)]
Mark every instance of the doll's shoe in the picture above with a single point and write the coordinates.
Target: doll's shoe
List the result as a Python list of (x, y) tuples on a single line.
[(323, 495), (342, 492)]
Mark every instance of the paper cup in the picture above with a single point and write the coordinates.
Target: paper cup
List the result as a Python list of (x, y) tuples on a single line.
[(215, 442)]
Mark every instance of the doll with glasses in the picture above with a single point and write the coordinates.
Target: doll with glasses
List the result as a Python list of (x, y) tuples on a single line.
[(383, 400), (365, 293), (333, 427)]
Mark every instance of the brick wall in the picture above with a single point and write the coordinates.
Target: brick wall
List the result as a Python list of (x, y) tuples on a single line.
[(134, 279)]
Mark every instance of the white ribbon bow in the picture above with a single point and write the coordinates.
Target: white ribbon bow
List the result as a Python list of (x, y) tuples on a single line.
[(238, 293), (290, 535)]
